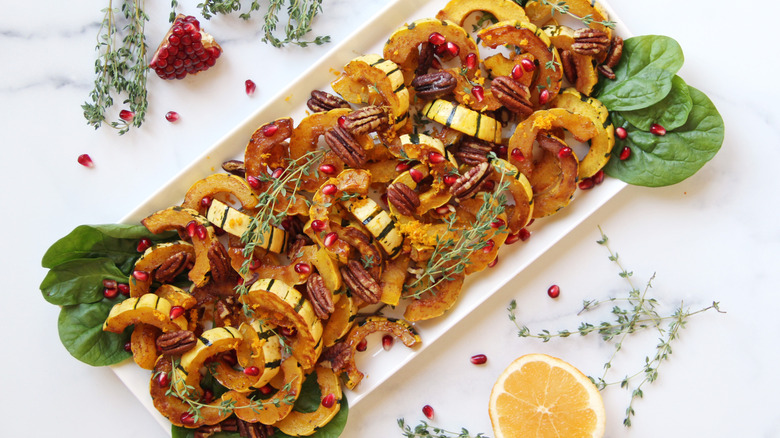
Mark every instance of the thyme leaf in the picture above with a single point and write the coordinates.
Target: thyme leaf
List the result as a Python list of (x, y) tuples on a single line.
[(425, 430)]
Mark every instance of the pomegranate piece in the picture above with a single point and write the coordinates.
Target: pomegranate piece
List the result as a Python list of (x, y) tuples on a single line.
[(172, 116), (186, 49), (250, 87), (554, 291), (85, 160), (428, 412), (478, 359)]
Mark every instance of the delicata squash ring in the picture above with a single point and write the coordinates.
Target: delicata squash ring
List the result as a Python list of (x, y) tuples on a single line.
[(210, 343), (219, 183), (585, 66), (540, 14), (459, 10), (153, 258), (271, 412), (260, 347), (147, 309), (463, 119), (305, 424)]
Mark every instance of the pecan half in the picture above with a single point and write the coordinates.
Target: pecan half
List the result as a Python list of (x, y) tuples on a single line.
[(322, 101), (221, 269), (425, 60), (615, 52), (513, 95), (253, 430), (177, 342), (236, 167), (360, 282), (589, 41), (346, 147), (371, 257), (403, 198), (320, 297), (468, 184), (606, 71), (434, 85), (473, 151), (173, 266), (365, 120), (569, 68)]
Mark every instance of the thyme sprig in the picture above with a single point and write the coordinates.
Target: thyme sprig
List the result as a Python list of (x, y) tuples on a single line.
[(635, 312), (424, 430), (562, 8), (120, 68)]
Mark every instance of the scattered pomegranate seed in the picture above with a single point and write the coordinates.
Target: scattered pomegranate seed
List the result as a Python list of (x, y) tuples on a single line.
[(126, 115), (190, 227), (387, 342), (302, 268), (435, 157), (517, 154), (427, 410), (288, 332), (488, 185), (250, 87), (478, 93), (141, 275), (598, 177), (201, 231), (498, 223), (342, 120), (524, 234), (85, 160), (564, 152), (328, 169), (128, 347), (317, 225), (143, 244), (186, 49), (187, 418), (621, 132), (512, 238), (501, 150), (277, 173), (254, 264), (253, 181), (554, 291), (471, 61), (110, 293), (403, 166), (252, 371), (163, 380), (436, 38), (266, 389), (330, 239), (657, 129), (586, 184), (328, 401), (205, 201), (493, 262), (527, 64), (449, 179), (625, 153), (172, 116), (269, 130), (123, 288), (489, 246), (176, 311), (478, 359), (383, 198), (517, 72), (544, 96), (416, 175), (208, 396), (362, 345), (452, 49), (109, 283), (329, 189)]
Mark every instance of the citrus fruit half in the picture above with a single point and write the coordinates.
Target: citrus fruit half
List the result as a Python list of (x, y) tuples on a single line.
[(542, 396)]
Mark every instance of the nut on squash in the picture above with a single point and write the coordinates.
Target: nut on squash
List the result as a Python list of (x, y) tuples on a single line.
[(153, 258)]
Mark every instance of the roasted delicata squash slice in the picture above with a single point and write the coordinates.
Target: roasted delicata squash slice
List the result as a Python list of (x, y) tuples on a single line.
[(557, 195), (540, 13), (374, 80), (436, 303), (340, 321), (210, 343), (267, 148), (143, 345), (582, 70), (237, 223), (533, 40), (378, 222), (154, 257), (305, 424), (269, 411), (176, 296), (147, 309), (463, 119), (520, 213), (260, 350), (219, 184), (602, 143), (458, 10)]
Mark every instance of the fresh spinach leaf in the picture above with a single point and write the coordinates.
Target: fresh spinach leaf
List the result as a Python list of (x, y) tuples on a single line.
[(81, 332), (310, 397), (671, 112), (644, 75), (664, 160), (115, 241), (79, 281)]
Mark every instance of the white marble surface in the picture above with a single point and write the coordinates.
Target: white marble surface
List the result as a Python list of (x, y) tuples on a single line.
[(714, 237)]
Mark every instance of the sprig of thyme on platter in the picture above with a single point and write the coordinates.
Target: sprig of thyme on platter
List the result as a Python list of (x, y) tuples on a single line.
[(635, 312), (562, 8), (424, 430)]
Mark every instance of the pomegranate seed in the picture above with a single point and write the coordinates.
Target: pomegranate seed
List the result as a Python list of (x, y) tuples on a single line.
[(450, 179), (277, 173), (172, 116), (330, 239), (109, 283), (328, 169), (544, 97), (123, 288), (435, 157), (128, 347), (564, 152), (190, 227), (254, 182), (387, 342), (143, 244), (517, 72), (254, 264), (163, 380), (208, 396), (205, 201), (126, 115), (498, 223), (621, 132), (598, 178), (288, 332), (478, 359), (403, 166), (416, 175), (252, 371), (478, 93), (176, 311), (554, 291), (524, 234), (110, 293), (488, 185), (85, 160), (250, 87), (201, 232), (342, 121), (657, 129), (317, 225), (452, 49), (436, 38), (517, 154), (512, 238), (329, 189), (362, 345), (625, 153), (471, 61), (267, 389), (269, 130), (302, 268), (187, 418), (586, 184), (489, 246), (501, 150), (494, 262), (141, 275), (527, 64), (328, 401), (427, 410)]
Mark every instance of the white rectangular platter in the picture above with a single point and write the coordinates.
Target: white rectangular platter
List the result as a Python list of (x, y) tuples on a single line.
[(291, 102)]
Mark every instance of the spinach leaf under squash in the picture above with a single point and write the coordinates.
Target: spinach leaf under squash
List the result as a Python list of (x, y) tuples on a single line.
[(81, 332), (671, 112)]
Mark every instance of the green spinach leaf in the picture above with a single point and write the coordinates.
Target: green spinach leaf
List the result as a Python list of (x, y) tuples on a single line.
[(671, 112), (657, 161), (310, 397), (644, 75), (81, 332), (79, 281)]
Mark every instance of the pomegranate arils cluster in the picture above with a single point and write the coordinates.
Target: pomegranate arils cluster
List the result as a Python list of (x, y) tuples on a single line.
[(186, 49)]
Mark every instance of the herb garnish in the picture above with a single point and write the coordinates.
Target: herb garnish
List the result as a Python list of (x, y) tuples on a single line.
[(563, 8), (425, 430)]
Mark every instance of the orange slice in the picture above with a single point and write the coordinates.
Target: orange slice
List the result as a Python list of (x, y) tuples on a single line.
[(542, 396)]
